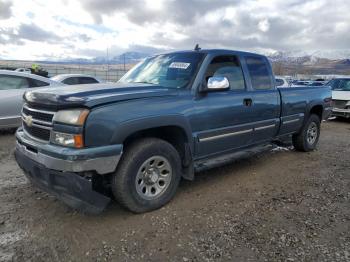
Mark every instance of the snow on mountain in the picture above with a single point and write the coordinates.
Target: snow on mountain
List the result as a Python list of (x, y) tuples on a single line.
[(313, 55)]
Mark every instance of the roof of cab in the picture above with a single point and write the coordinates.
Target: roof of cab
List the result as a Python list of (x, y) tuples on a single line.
[(217, 51)]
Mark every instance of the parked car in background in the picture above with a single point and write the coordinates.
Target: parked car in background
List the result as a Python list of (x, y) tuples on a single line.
[(317, 83), (169, 116), (12, 86), (340, 97), (281, 81), (296, 83), (23, 70), (76, 79)]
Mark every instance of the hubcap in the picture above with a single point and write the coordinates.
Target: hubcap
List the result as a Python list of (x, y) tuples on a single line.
[(312, 133), (153, 177)]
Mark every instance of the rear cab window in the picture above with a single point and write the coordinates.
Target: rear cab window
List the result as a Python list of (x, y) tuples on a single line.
[(259, 73)]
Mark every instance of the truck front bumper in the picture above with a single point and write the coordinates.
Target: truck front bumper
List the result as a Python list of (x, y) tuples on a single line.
[(60, 171), (341, 112)]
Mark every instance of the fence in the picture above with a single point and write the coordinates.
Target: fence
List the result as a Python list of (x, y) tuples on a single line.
[(109, 73)]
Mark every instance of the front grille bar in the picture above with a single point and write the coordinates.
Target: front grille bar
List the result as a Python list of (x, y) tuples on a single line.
[(38, 110), (38, 122), (44, 123)]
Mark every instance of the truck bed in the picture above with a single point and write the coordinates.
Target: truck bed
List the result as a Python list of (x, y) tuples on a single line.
[(296, 103)]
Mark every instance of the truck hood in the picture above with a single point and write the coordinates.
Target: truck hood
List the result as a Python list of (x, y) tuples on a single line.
[(341, 95), (93, 94)]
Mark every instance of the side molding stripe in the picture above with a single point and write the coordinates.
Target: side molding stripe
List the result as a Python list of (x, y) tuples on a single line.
[(226, 135), (291, 121), (265, 127)]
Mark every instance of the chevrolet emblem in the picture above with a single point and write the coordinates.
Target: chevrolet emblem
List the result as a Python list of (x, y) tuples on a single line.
[(28, 120)]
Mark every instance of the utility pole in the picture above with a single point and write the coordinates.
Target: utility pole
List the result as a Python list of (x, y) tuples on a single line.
[(107, 66), (124, 61)]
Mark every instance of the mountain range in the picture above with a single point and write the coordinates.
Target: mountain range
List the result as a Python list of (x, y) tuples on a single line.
[(320, 62)]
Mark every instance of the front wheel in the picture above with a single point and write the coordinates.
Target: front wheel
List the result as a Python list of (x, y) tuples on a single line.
[(148, 175), (308, 137)]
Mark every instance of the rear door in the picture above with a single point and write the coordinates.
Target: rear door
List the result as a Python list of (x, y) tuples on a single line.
[(228, 123), (265, 99)]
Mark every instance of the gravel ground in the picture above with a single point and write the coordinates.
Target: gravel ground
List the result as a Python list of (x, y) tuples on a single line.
[(279, 206)]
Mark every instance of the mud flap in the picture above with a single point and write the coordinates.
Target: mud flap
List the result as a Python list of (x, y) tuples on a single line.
[(70, 188)]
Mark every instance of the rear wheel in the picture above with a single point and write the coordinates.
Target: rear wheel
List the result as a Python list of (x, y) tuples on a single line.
[(148, 175), (308, 137)]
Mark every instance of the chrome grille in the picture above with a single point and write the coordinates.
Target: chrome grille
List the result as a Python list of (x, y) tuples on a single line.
[(37, 123), (341, 104)]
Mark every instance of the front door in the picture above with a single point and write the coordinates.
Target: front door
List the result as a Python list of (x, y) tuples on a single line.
[(11, 99), (228, 125)]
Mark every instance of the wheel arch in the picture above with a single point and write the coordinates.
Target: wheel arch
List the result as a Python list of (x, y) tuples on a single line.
[(317, 110), (173, 129)]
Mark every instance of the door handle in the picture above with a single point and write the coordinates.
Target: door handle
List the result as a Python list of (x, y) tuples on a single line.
[(247, 102)]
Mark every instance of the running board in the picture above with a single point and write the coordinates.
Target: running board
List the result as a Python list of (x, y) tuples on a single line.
[(207, 163)]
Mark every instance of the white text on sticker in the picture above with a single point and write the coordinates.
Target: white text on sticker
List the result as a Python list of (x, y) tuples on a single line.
[(179, 65)]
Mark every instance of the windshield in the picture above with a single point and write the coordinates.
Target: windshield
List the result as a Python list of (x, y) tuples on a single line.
[(340, 84), (170, 70)]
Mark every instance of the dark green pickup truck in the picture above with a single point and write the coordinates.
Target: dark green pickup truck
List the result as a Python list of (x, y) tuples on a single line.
[(168, 117)]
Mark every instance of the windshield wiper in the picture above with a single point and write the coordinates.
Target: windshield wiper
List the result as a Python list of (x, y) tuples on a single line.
[(144, 82)]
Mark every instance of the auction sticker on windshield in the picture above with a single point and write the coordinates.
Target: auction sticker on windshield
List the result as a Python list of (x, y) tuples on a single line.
[(179, 65)]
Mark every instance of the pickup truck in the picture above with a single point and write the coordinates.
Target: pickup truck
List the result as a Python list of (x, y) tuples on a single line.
[(340, 97), (171, 115)]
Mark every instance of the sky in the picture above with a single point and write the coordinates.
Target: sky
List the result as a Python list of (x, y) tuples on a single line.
[(61, 29)]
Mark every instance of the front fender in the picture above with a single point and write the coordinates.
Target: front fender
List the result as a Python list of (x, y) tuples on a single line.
[(128, 128)]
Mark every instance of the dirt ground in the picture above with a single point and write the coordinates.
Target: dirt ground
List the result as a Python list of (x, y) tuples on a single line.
[(279, 206)]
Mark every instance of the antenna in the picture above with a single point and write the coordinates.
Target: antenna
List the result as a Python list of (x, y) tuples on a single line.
[(197, 48)]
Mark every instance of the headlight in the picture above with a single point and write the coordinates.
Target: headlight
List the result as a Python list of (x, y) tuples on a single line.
[(74, 117), (71, 117), (69, 140)]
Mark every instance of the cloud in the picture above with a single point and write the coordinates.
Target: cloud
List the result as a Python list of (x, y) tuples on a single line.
[(87, 28), (279, 25), (35, 33), (5, 9), (8, 36), (181, 12)]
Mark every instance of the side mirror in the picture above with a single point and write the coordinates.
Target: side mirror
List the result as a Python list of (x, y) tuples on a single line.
[(217, 83)]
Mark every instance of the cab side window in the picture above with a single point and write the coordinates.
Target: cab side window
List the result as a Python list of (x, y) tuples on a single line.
[(36, 83), (8, 82), (259, 73), (229, 67), (71, 81), (87, 80)]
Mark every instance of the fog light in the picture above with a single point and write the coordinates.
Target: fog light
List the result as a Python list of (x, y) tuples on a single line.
[(69, 140)]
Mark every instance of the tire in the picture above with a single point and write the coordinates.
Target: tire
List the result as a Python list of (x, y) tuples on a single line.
[(159, 181), (308, 137)]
